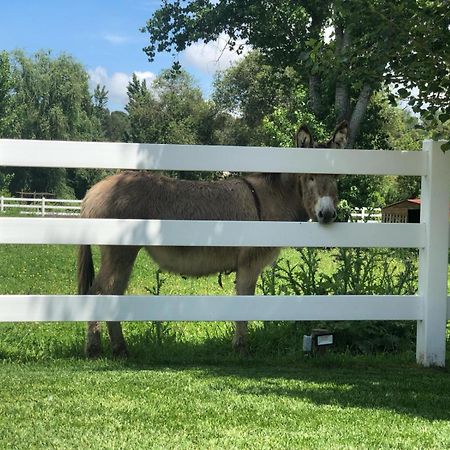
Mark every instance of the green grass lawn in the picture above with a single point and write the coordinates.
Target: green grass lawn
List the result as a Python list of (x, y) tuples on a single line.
[(105, 404), (183, 387)]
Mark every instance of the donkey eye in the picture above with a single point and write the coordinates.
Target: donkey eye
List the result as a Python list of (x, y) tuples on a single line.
[(311, 179)]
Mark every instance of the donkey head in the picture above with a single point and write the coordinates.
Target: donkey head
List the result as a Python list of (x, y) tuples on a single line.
[(319, 191)]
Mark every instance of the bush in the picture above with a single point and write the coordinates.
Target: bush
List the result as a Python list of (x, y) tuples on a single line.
[(351, 271)]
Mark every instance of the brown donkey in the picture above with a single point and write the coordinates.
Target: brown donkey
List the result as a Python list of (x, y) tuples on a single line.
[(143, 195)]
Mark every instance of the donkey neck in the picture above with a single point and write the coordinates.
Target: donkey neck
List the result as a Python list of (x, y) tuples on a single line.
[(280, 197), (255, 197)]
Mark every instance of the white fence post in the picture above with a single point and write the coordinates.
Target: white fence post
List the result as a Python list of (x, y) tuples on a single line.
[(2, 204), (433, 258), (43, 206), (363, 214)]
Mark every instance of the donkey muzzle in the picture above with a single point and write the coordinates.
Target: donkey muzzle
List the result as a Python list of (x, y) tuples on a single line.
[(325, 210)]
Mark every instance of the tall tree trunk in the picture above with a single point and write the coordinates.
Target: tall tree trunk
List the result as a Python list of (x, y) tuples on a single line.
[(314, 94), (342, 90), (315, 99), (341, 101), (358, 114)]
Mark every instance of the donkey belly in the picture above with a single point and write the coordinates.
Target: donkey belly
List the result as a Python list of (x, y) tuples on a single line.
[(195, 261)]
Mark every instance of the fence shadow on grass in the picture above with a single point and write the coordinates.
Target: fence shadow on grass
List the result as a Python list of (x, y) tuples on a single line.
[(409, 391)]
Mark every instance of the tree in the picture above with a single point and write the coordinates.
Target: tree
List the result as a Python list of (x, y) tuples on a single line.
[(252, 87), (141, 108), (101, 111), (372, 43), (118, 127), (171, 111), (8, 119), (251, 90), (42, 97), (52, 98)]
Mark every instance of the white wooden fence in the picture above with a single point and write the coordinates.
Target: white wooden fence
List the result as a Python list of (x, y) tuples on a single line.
[(430, 307), (41, 206), (366, 215)]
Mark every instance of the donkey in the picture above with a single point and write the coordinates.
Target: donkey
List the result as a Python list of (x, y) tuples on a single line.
[(144, 195)]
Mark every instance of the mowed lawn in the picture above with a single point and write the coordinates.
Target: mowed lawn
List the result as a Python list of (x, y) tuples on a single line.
[(183, 387)]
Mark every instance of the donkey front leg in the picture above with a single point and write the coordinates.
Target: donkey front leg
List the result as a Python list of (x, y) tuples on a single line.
[(251, 262), (93, 346), (245, 285)]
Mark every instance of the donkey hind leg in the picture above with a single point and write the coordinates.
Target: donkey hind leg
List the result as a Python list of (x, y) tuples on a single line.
[(112, 279)]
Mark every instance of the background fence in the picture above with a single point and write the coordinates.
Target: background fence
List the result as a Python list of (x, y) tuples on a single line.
[(68, 207), (40, 206), (430, 307)]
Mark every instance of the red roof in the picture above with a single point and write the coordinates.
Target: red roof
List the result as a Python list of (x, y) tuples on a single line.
[(414, 201)]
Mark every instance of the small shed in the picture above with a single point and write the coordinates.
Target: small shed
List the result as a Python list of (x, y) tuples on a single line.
[(406, 211)]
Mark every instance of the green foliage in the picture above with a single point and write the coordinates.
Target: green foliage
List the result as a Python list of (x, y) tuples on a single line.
[(282, 124), (5, 181), (348, 271), (171, 111), (8, 119), (45, 97), (52, 98), (80, 180), (252, 87), (117, 128), (401, 43)]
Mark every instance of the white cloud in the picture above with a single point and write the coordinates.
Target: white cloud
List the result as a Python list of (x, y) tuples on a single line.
[(116, 84), (147, 76), (115, 39), (214, 55)]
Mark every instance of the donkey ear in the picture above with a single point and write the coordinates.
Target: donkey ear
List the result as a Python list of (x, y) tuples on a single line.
[(303, 137), (340, 134)]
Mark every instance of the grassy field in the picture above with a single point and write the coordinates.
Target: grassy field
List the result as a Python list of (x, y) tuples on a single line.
[(183, 387), (103, 404)]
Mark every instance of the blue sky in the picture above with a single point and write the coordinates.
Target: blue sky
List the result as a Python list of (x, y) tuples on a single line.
[(104, 36)]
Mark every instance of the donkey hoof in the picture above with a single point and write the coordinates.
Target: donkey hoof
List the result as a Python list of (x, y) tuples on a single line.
[(93, 352), (120, 353), (240, 347)]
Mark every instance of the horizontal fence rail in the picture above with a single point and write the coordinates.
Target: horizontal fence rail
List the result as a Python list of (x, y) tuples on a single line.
[(203, 158), (208, 233), (14, 308)]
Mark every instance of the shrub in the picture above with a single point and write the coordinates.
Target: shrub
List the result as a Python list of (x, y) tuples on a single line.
[(350, 271)]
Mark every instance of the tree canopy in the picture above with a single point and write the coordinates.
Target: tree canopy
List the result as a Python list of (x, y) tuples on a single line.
[(171, 110), (45, 97), (404, 44), (253, 103)]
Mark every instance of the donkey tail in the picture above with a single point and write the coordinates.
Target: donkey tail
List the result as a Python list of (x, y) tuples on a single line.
[(86, 270)]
